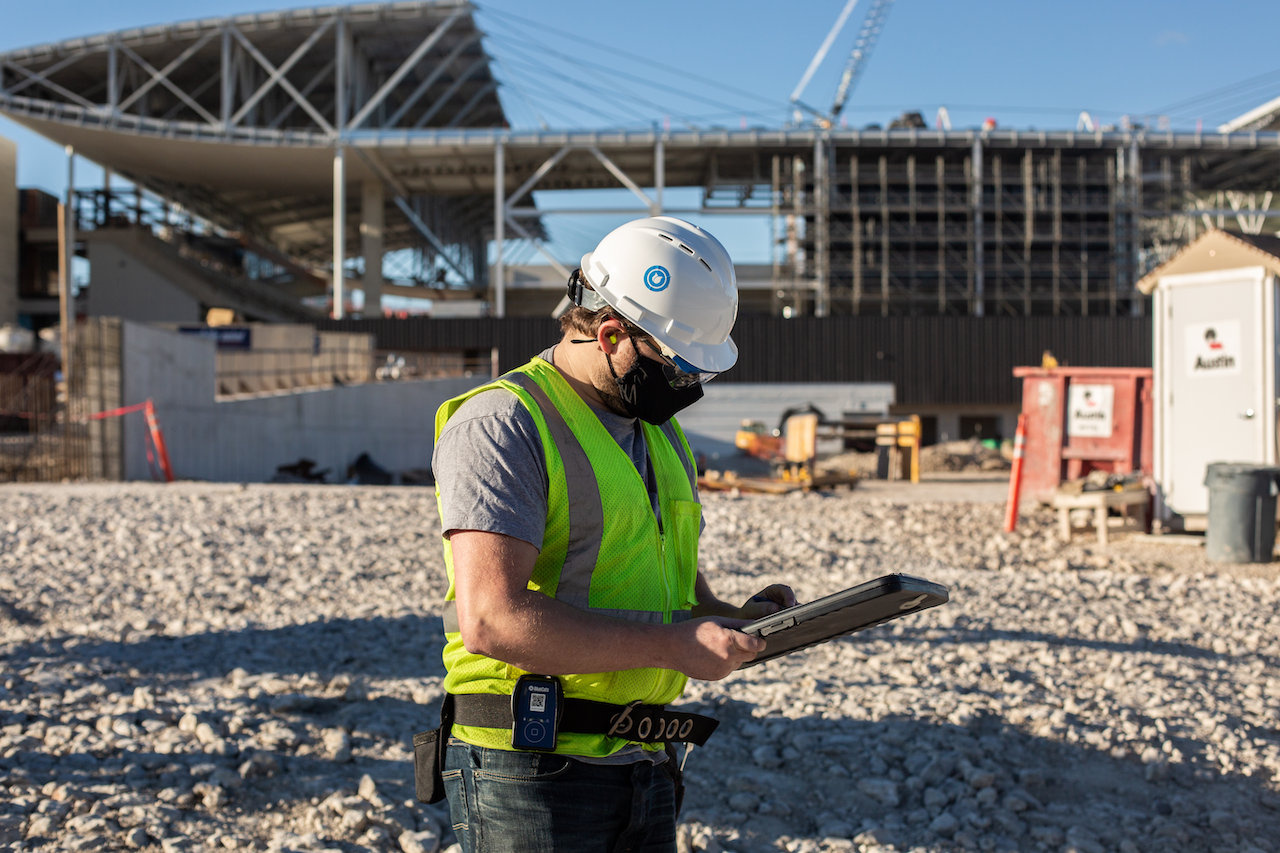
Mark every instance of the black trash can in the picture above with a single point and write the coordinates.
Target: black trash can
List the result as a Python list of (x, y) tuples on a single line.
[(1242, 512)]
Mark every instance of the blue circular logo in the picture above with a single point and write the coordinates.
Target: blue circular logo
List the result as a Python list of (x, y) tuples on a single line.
[(657, 278)]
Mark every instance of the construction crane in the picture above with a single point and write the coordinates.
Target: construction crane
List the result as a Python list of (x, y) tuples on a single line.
[(872, 25)]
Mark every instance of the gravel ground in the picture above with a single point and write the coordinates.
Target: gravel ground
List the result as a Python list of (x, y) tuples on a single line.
[(226, 667)]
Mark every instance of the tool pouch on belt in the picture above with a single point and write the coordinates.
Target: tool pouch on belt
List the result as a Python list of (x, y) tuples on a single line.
[(428, 756)]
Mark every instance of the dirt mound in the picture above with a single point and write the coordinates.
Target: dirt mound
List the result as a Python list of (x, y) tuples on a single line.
[(961, 456)]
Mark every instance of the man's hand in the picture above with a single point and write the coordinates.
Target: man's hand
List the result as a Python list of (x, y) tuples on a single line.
[(768, 601), (712, 647)]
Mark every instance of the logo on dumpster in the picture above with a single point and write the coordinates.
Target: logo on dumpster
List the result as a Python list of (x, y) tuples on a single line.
[(1213, 349), (1089, 410)]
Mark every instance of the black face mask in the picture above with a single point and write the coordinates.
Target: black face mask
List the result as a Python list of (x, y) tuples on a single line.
[(647, 394)]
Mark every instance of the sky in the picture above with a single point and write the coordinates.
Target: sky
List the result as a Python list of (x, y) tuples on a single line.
[(733, 63)]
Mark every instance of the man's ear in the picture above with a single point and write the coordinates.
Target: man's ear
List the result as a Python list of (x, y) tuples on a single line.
[(609, 336)]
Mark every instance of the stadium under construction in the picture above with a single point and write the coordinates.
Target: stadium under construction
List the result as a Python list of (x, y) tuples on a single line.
[(268, 127), (265, 167)]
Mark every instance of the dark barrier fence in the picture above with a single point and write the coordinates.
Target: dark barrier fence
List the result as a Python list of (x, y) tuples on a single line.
[(930, 360)]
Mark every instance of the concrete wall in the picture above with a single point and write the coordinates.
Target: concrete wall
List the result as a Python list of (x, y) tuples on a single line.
[(8, 232), (122, 287), (245, 440)]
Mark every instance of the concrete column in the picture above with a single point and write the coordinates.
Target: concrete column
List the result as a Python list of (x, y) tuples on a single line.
[(8, 232), (339, 230), (371, 224)]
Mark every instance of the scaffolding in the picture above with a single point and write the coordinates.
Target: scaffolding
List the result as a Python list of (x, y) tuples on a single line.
[(1013, 230)]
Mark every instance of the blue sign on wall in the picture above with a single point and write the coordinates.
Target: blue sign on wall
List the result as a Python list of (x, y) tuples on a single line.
[(226, 337)]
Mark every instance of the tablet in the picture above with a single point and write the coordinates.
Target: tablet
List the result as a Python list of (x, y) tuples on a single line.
[(855, 609)]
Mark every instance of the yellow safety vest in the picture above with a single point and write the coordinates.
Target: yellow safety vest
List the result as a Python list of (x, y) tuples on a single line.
[(602, 550)]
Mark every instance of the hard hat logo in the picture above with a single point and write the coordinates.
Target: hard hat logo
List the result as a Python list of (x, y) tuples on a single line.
[(657, 278)]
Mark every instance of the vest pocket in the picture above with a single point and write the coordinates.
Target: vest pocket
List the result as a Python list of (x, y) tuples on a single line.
[(684, 523)]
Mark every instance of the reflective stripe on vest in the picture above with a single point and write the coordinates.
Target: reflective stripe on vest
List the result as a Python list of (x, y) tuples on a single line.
[(586, 515)]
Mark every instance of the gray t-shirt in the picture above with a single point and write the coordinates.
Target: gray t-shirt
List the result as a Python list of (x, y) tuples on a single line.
[(492, 473)]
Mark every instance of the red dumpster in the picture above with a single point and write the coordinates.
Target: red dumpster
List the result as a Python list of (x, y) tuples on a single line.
[(1082, 419)]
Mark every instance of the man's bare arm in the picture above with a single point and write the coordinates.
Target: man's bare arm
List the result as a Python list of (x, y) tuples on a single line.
[(501, 618)]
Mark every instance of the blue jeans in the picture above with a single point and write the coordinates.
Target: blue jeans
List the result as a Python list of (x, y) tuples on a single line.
[(536, 803)]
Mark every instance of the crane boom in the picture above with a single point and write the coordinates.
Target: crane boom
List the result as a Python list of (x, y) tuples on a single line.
[(822, 50), (867, 36)]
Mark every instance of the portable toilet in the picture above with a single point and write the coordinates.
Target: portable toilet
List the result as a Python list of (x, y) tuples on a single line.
[(1214, 310)]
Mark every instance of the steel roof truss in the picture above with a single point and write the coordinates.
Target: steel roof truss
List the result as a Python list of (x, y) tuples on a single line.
[(162, 77), (430, 79), (306, 91), (52, 69), (405, 67), (482, 62), (195, 93), (277, 76), (472, 103), (42, 80)]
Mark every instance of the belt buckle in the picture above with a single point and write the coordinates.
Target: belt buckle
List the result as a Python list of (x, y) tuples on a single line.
[(624, 716)]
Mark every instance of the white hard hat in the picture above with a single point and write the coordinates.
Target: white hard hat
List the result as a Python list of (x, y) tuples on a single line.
[(673, 280)]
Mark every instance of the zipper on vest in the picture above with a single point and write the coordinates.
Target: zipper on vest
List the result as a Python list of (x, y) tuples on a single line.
[(666, 583)]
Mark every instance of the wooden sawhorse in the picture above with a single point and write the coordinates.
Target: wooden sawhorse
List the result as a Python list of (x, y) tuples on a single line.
[(1134, 500)]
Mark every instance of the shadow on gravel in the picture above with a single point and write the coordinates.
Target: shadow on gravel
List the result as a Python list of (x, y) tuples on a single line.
[(962, 635), (406, 647), (310, 775), (985, 786)]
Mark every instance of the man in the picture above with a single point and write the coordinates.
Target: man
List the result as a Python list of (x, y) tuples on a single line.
[(568, 498)]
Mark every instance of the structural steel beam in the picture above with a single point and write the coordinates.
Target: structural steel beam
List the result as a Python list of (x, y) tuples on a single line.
[(539, 173), (622, 176), (435, 241)]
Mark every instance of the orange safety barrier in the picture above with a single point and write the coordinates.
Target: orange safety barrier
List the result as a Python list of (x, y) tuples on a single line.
[(1015, 476), (154, 436), (157, 441)]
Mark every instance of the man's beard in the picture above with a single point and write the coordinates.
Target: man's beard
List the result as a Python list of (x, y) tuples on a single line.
[(611, 398)]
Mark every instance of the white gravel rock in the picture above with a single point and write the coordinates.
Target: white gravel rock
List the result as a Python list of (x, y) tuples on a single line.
[(243, 665)]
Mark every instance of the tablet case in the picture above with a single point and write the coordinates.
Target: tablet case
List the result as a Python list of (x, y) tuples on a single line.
[(855, 609)]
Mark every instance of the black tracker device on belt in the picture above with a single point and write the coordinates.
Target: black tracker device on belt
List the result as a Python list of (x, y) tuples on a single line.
[(536, 705)]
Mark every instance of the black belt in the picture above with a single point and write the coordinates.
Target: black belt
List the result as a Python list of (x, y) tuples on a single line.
[(636, 722)]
